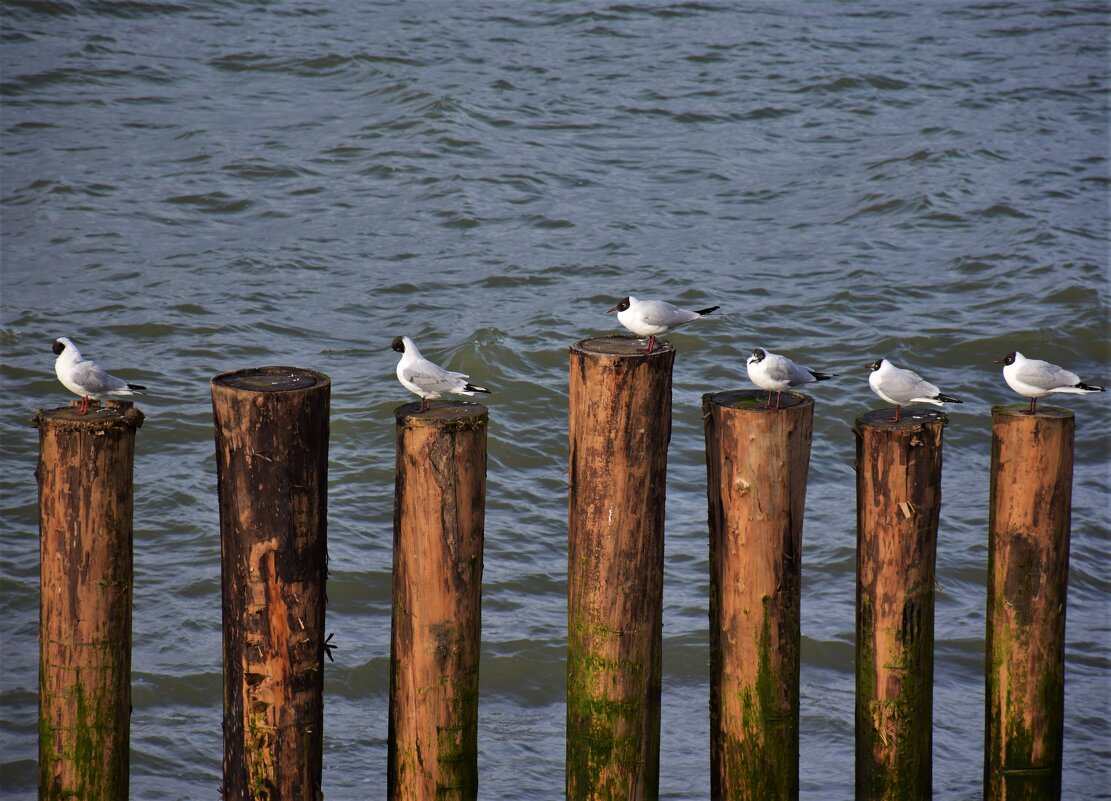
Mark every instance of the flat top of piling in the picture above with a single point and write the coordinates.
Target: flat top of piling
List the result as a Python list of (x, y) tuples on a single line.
[(1019, 410), (115, 414), (756, 399), (271, 379), (908, 419), (443, 414), (617, 345)]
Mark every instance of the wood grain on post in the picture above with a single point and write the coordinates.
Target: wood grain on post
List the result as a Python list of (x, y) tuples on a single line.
[(898, 480), (620, 425), (1028, 565), (439, 514), (86, 500), (756, 462), (272, 476)]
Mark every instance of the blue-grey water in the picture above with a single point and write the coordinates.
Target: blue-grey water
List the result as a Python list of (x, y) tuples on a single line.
[(193, 186)]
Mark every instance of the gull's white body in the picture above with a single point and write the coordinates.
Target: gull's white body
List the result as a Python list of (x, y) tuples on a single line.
[(428, 380), (776, 373), (85, 378), (1036, 379), (650, 318), (898, 387)]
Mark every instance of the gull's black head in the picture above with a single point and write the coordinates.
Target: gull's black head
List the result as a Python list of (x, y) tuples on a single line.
[(877, 364), (1008, 359), (398, 344), (758, 355), (58, 347), (620, 307)]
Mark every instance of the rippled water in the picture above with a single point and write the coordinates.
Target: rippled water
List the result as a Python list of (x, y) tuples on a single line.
[(191, 187)]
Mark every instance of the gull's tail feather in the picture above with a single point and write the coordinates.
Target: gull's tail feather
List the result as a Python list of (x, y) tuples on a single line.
[(948, 398), (1080, 388), (472, 388), (822, 376), (704, 312)]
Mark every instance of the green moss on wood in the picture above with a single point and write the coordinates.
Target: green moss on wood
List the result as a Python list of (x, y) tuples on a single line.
[(598, 724), (762, 763), (748, 403), (905, 720), (92, 745)]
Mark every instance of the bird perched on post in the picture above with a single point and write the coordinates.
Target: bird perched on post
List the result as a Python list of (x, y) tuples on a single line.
[(1036, 379), (776, 373), (86, 378), (651, 318), (422, 377), (899, 386)]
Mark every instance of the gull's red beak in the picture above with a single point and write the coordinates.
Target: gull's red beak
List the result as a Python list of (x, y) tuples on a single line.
[(613, 309)]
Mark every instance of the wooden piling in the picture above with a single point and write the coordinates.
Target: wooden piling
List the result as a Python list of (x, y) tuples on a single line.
[(756, 463), (620, 425), (898, 480), (86, 500), (1028, 562), (272, 475), (439, 514)]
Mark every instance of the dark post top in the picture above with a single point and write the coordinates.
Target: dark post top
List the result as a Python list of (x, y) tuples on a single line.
[(617, 345), (908, 420), (754, 400), (271, 379), (1019, 410), (118, 414), (444, 414)]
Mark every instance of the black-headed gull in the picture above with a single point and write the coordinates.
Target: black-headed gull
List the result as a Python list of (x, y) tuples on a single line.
[(1036, 379), (86, 378), (776, 373), (900, 386), (422, 377), (652, 318)]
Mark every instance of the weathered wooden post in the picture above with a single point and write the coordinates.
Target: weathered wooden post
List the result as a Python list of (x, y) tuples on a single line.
[(439, 514), (756, 463), (272, 475), (1028, 565), (86, 499), (620, 425), (898, 482)]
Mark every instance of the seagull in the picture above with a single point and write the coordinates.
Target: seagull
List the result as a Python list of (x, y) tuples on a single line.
[(776, 373), (1036, 379), (899, 386), (86, 378), (426, 379), (651, 317)]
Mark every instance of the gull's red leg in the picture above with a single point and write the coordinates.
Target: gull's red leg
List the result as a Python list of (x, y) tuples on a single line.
[(1033, 406), (778, 398), (84, 407)]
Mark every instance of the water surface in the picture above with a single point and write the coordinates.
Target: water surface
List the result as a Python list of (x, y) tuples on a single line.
[(192, 187)]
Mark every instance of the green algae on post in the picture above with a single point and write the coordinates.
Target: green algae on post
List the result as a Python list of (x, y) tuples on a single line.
[(436, 631), (620, 424), (1028, 558), (898, 506), (757, 460), (86, 498)]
